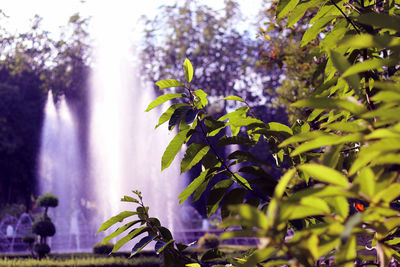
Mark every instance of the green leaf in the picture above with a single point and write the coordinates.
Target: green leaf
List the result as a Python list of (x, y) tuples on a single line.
[(129, 199), (212, 254), (388, 194), (233, 197), (129, 237), (316, 28), (259, 255), (169, 83), (141, 244), (349, 126), (119, 231), (216, 194), (251, 214), (274, 128), (300, 10), (341, 64), (161, 245), (326, 141), (194, 153), (235, 140), (161, 99), (200, 99), (173, 148), (371, 64), (380, 20), (332, 103), (115, 219), (244, 156), (188, 69), (240, 180), (366, 180), (283, 183), (233, 97), (360, 41), (188, 191), (325, 174), (284, 7), (168, 113)]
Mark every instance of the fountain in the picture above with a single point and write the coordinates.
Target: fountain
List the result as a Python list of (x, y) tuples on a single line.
[(124, 150), (61, 173)]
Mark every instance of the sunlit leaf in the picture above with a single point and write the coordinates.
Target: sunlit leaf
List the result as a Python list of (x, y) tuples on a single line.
[(233, 97), (161, 99), (188, 69), (115, 219), (194, 153), (188, 191), (169, 83), (325, 174), (173, 148), (285, 6), (129, 237)]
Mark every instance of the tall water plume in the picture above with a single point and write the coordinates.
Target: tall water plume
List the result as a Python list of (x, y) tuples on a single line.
[(125, 150), (61, 173)]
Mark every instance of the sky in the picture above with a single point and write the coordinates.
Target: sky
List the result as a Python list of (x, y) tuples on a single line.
[(55, 13)]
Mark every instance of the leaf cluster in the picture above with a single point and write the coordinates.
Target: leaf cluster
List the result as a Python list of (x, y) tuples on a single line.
[(339, 193)]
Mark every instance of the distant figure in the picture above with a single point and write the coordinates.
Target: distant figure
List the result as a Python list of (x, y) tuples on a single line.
[(205, 224), (9, 231), (74, 230)]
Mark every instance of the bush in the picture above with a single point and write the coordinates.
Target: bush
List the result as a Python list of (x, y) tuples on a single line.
[(101, 248), (41, 249), (44, 228), (48, 200), (208, 241)]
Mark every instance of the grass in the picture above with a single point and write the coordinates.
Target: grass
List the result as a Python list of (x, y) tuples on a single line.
[(81, 260), (144, 259)]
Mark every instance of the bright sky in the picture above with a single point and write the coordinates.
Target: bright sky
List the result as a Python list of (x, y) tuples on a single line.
[(56, 13)]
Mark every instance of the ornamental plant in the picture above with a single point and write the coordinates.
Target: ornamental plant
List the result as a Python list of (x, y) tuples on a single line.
[(44, 227), (339, 192)]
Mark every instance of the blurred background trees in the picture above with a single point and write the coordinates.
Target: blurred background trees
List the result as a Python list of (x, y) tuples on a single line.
[(259, 62)]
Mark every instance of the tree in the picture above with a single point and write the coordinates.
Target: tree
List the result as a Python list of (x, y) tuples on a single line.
[(339, 194), (225, 58)]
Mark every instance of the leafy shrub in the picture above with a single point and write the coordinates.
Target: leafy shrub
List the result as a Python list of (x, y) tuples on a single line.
[(208, 241), (44, 228), (101, 248), (41, 249), (47, 200), (341, 176)]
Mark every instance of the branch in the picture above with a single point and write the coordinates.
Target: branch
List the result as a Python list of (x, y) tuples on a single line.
[(346, 17)]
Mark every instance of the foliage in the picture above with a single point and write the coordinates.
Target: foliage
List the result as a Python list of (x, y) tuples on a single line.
[(339, 195), (225, 58), (47, 200), (44, 227), (100, 248), (208, 241), (41, 249)]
